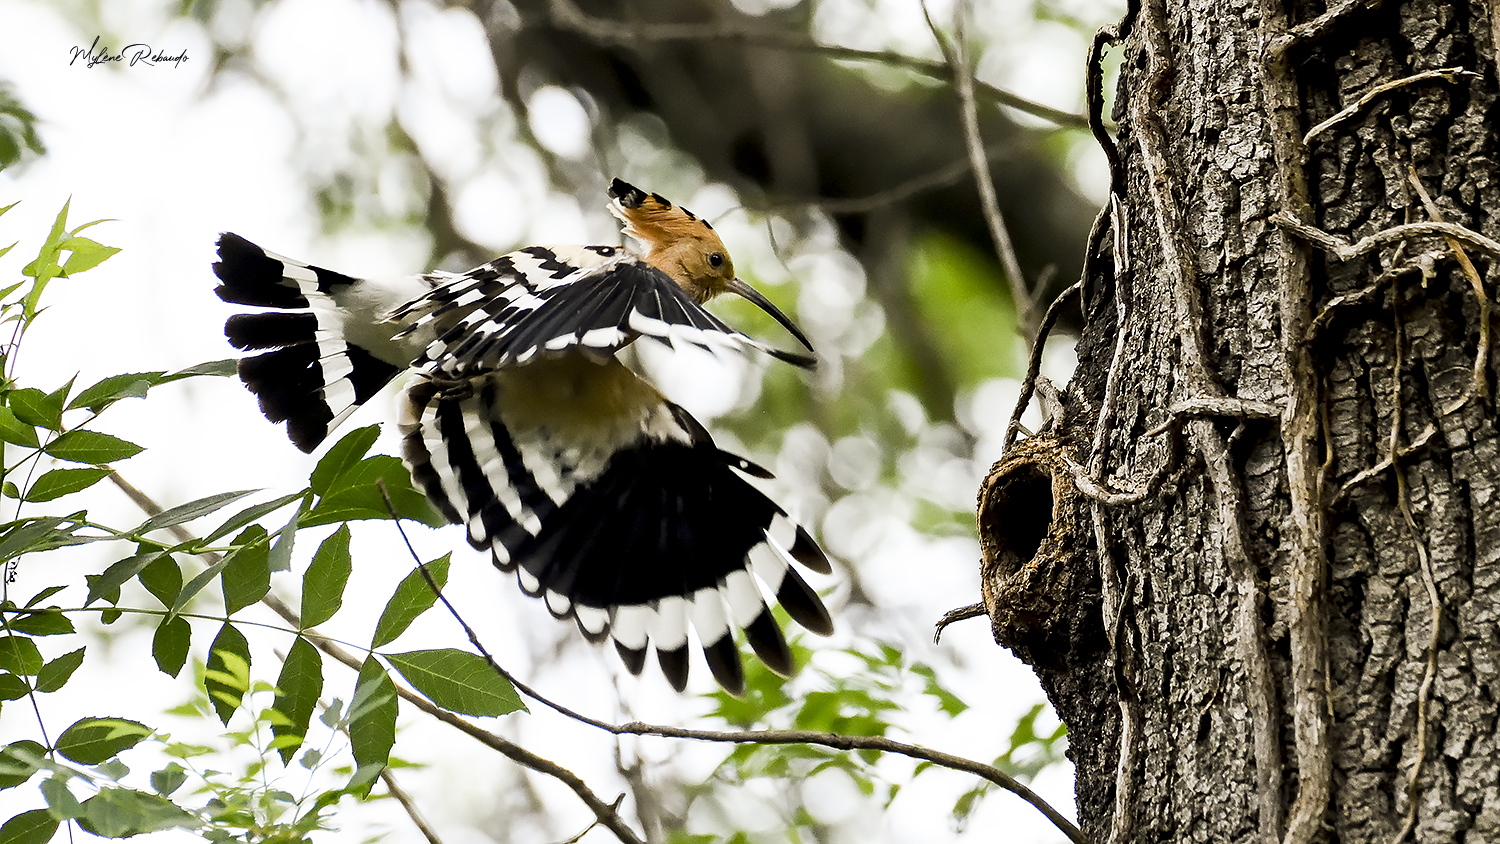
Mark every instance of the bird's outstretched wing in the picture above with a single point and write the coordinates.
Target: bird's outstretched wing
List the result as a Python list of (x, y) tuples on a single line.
[(625, 518), (547, 301)]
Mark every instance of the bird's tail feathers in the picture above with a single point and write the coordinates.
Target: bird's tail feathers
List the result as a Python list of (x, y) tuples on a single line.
[(306, 373)]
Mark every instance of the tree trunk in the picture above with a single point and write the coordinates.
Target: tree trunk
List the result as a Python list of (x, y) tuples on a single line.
[(1286, 449)]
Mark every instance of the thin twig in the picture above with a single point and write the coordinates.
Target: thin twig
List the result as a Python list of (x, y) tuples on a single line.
[(942, 177), (1115, 597), (1217, 406), (1447, 73), (1120, 226), (1482, 357), (567, 15), (410, 806), (1034, 362), (960, 614), (590, 828), (520, 755), (1309, 31), (1306, 530), (1098, 492), (957, 57), (1345, 251), (832, 740), (1094, 94), (1325, 315), (1418, 443), (1424, 561)]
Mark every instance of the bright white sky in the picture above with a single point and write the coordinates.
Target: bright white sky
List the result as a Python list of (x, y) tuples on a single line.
[(175, 163)]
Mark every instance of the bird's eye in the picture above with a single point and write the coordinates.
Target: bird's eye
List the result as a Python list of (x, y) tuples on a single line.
[(716, 260)]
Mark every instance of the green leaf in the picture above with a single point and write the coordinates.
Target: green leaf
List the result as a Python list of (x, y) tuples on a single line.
[(60, 801), (13, 430), (59, 396), (458, 681), (116, 575), (59, 482), (372, 721), (124, 812), (327, 575), (35, 407), (34, 827), (170, 644), (90, 741), (39, 534), (298, 687), (44, 595), (246, 577), (91, 447), (87, 254), (46, 622), (951, 705), (19, 655), (250, 514), (413, 597), (54, 675), (168, 779), (110, 390), (229, 646), (355, 495), (14, 769), (339, 459), (45, 267), (189, 511), (215, 368), (162, 577), (280, 558), (12, 687), (205, 577)]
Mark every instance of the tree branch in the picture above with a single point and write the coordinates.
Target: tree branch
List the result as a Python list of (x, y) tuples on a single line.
[(957, 57), (567, 15)]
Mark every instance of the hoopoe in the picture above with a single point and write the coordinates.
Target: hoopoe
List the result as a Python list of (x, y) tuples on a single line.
[(520, 422)]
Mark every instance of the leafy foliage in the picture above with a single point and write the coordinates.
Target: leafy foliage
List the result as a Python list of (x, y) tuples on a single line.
[(82, 775), (18, 136)]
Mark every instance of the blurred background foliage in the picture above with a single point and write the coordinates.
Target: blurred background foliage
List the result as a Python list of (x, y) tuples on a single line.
[(825, 144)]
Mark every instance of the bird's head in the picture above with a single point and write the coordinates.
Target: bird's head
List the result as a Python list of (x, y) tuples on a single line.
[(686, 248)]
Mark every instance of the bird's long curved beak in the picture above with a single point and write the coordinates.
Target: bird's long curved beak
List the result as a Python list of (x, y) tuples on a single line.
[(742, 289)]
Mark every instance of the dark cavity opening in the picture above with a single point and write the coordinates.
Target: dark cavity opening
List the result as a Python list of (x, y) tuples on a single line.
[(1020, 515)]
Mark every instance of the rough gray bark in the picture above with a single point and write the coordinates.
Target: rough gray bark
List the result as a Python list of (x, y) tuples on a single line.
[(1328, 461)]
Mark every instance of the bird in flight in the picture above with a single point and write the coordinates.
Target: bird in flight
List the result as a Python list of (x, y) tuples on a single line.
[(520, 422)]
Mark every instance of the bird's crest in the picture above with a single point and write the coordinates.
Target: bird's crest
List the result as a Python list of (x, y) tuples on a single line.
[(653, 220)]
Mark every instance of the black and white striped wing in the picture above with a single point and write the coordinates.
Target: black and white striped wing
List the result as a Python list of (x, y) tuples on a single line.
[(317, 358), (642, 539), (540, 302)]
